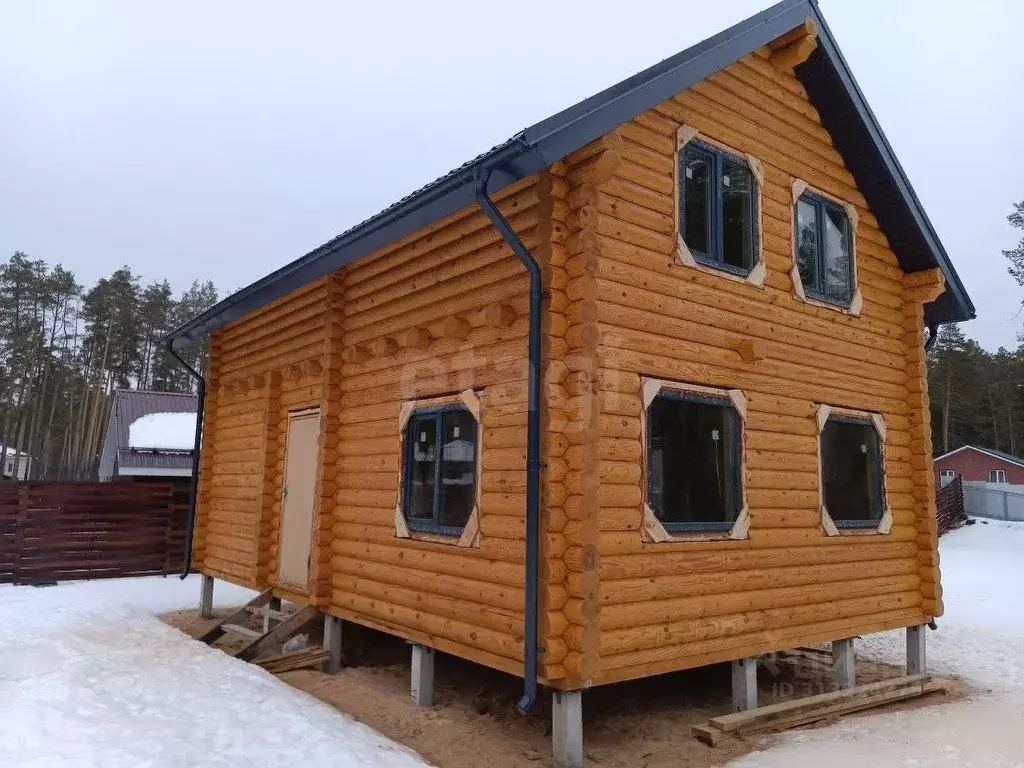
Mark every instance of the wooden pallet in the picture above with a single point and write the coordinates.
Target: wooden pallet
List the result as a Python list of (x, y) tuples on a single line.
[(811, 709)]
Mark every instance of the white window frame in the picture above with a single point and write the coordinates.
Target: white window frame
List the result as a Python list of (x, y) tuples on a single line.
[(1000, 475)]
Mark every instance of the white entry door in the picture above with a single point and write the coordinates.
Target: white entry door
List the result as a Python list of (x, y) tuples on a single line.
[(297, 498)]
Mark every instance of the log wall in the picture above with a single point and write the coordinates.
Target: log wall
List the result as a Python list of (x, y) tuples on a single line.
[(672, 605)]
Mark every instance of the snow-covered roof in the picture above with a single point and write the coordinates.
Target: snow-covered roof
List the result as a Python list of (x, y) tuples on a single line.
[(163, 431)]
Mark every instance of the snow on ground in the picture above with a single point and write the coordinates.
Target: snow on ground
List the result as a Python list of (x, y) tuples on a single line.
[(980, 639), (89, 677), (166, 430)]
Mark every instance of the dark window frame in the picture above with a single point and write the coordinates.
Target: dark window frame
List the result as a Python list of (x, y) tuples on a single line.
[(821, 206), (716, 231), (434, 413), (880, 486), (694, 397)]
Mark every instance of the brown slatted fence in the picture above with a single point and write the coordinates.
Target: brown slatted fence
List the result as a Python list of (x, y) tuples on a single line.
[(56, 531), (949, 505)]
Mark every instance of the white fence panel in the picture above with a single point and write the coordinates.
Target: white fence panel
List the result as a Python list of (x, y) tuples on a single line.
[(997, 501)]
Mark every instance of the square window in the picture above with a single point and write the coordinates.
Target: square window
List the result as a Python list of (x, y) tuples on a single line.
[(718, 210), (996, 476), (693, 461), (824, 249), (439, 474), (852, 473)]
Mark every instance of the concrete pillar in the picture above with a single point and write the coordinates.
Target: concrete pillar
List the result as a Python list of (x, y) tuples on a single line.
[(268, 622), (567, 729), (422, 675), (206, 597), (332, 644), (844, 665), (744, 684), (916, 660)]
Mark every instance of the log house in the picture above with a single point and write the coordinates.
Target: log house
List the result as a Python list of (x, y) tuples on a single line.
[(733, 442)]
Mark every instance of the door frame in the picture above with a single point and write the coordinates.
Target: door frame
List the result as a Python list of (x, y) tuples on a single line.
[(298, 413)]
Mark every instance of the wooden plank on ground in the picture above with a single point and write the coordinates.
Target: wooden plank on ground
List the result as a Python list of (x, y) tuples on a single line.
[(287, 662), (242, 614), (812, 709), (280, 632)]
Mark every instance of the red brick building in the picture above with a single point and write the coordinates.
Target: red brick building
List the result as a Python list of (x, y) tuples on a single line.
[(974, 463)]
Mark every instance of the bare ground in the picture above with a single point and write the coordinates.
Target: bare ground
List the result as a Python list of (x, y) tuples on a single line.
[(638, 724)]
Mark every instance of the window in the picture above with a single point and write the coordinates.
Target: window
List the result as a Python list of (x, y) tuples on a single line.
[(852, 471), (824, 249), (439, 490), (718, 211), (946, 476), (996, 476), (694, 461)]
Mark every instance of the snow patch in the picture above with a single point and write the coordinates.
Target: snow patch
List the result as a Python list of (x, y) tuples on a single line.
[(90, 678), (163, 431)]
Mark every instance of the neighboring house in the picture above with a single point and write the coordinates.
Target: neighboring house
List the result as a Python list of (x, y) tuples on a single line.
[(671, 343), (149, 434), (974, 463), (15, 465)]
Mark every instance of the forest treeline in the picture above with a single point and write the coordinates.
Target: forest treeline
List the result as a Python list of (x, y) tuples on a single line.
[(64, 349)]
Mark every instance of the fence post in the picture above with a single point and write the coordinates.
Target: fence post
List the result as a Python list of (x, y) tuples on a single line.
[(1006, 505), (20, 523)]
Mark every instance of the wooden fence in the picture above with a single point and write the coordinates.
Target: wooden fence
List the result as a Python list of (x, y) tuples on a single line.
[(54, 531), (949, 505)]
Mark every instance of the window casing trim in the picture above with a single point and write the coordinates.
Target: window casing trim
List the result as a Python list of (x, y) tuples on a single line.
[(758, 273), (468, 535), (856, 305), (652, 530), (829, 526)]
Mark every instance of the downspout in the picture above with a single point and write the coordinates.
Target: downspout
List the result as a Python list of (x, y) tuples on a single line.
[(933, 335), (533, 465), (196, 444)]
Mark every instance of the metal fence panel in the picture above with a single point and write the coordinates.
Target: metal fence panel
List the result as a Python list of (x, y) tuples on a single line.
[(996, 501)]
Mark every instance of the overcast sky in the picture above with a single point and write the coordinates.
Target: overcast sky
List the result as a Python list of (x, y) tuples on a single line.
[(221, 140)]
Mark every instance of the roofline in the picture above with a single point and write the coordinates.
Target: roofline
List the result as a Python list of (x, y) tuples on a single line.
[(549, 140), (899, 176), (157, 392), (987, 452)]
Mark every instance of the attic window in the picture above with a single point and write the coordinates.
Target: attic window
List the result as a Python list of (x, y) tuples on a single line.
[(718, 210), (852, 471), (824, 249), (439, 483), (693, 461), (996, 476)]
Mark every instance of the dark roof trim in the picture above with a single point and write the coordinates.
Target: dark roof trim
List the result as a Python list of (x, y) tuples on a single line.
[(550, 140)]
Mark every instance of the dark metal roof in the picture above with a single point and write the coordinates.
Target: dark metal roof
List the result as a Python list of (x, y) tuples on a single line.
[(829, 83), (131, 404)]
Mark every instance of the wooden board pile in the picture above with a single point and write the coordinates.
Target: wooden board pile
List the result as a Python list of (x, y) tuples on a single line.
[(286, 662), (812, 709)]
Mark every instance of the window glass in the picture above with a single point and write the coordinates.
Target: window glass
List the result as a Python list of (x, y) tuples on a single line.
[(737, 214), (696, 205), (693, 461), (824, 249), (996, 476), (807, 242), (423, 433), (440, 469), (837, 255), (851, 469), (458, 469)]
